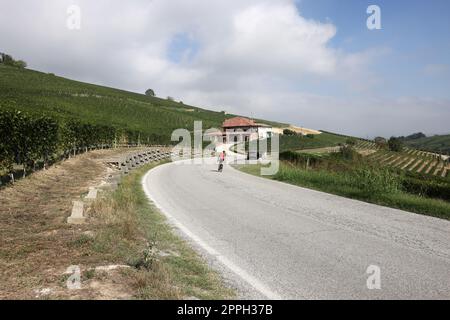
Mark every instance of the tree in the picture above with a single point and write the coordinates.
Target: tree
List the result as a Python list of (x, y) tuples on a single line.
[(395, 144), (150, 93), (380, 142), (20, 64), (169, 98), (8, 60), (289, 132), (351, 141)]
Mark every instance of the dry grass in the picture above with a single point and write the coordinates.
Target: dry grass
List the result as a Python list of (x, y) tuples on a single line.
[(135, 233), (36, 243)]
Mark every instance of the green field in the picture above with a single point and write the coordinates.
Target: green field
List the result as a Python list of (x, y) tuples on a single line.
[(367, 183), (40, 93), (412, 180), (299, 142)]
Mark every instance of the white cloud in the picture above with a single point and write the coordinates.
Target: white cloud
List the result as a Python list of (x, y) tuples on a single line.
[(254, 57)]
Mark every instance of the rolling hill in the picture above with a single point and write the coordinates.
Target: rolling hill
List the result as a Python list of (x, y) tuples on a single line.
[(40, 93), (437, 143)]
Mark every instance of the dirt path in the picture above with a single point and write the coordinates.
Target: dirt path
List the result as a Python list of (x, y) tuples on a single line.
[(36, 243)]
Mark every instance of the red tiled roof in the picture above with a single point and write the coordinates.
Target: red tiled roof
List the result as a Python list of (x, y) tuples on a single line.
[(239, 122)]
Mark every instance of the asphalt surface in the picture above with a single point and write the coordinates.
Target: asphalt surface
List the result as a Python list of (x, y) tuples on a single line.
[(274, 240)]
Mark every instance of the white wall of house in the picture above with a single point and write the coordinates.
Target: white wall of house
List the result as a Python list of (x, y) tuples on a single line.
[(264, 132), (241, 134), (248, 133)]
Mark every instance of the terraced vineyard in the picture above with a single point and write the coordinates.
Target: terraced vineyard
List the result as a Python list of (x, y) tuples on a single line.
[(411, 160), (365, 147)]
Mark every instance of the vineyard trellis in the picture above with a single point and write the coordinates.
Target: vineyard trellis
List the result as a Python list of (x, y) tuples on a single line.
[(26, 140)]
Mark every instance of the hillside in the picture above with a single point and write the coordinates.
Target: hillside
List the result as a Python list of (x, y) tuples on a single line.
[(40, 93), (299, 142), (438, 143)]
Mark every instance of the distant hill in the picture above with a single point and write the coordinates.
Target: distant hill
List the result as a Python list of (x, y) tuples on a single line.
[(413, 136), (41, 93), (437, 143)]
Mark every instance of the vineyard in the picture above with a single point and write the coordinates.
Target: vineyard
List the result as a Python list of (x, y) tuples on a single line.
[(410, 160), (44, 117), (39, 93), (33, 142)]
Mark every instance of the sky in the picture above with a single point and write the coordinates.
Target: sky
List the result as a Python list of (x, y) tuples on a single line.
[(312, 63)]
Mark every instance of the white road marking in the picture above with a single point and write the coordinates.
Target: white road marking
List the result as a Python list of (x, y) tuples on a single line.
[(252, 281)]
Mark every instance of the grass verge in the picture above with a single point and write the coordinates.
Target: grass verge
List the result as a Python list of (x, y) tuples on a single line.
[(136, 233), (343, 185)]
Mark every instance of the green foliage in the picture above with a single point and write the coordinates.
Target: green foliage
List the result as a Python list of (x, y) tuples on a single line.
[(344, 184), (150, 93), (300, 159), (351, 141), (8, 60), (427, 187), (395, 144), (347, 152), (437, 143), (414, 136), (289, 132), (374, 180), (7, 152), (26, 139), (299, 142), (63, 99), (380, 142), (20, 64)]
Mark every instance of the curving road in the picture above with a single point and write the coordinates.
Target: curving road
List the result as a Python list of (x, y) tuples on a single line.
[(274, 240)]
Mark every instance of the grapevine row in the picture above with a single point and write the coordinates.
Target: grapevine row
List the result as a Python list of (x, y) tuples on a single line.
[(26, 140)]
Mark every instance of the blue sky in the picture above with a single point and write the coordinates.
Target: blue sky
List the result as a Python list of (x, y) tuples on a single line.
[(312, 63), (416, 32)]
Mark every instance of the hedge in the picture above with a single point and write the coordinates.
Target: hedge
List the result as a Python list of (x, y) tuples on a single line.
[(26, 139)]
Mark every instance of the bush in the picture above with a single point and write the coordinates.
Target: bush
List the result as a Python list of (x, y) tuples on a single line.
[(374, 181), (300, 158), (351, 141), (311, 136), (8, 60), (26, 139), (289, 132), (426, 187), (395, 144), (380, 142), (348, 153)]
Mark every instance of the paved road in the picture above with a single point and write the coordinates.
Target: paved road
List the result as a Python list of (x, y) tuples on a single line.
[(282, 241)]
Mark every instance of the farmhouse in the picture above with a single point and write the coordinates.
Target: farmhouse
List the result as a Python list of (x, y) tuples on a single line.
[(243, 129)]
